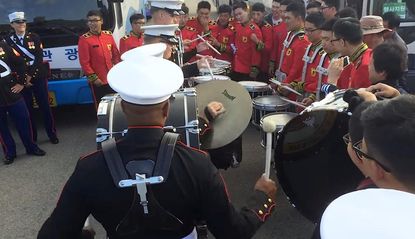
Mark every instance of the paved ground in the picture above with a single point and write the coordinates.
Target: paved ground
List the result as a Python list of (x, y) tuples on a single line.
[(30, 187)]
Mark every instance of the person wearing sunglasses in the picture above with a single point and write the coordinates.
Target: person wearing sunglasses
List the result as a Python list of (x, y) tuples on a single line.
[(29, 46)]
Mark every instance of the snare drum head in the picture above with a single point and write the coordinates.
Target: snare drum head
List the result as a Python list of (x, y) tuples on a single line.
[(280, 119), (215, 71), (204, 79), (254, 86), (269, 101), (312, 163)]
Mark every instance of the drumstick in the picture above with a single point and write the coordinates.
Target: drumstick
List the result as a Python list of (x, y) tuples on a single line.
[(204, 35), (285, 87), (208, 44), (215, 59), (293, 102), (269, 127), (208, 66)]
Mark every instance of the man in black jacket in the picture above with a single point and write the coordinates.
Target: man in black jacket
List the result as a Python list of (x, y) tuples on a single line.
[(194, 189), (12, 103), (30, 48)]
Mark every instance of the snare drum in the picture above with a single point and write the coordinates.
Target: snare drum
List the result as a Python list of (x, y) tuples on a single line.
[(183, 112), (266, 104), (281, 119), (204, 79), (256, 88), (311, 159)]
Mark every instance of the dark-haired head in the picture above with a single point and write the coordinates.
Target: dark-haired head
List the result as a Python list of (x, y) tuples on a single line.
[(94, 13), (135, 17), (347, 12), (348, 29), (391, 20), (387, 64), (389, 135), (203, 5)]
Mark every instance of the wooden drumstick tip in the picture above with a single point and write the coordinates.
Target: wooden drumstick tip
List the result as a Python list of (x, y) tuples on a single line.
[(268, 125)]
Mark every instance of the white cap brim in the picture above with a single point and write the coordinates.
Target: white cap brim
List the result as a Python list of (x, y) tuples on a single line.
[(146, 82)]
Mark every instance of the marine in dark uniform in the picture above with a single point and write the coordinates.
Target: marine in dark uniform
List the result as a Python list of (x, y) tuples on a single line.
[(193, 191), (30, 48), (13, 104)]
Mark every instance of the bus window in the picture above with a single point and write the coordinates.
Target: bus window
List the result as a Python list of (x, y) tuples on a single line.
[(54, 20)]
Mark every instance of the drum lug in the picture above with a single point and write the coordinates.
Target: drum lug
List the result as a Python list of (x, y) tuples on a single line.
[(192, 127)]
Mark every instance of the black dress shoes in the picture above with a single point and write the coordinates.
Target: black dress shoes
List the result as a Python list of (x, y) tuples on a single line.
[(9, 159), (54, 140), (37, 152)]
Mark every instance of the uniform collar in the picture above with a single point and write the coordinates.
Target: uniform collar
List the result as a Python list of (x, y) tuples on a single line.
[(316, 45), (358, 52), (95, 34), (136, 35), (144, 133)]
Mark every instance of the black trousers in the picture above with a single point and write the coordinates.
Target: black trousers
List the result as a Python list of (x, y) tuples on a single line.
[(100, 91), (223, 157)]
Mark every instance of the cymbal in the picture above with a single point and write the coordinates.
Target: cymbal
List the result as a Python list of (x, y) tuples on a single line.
[(231, 124)]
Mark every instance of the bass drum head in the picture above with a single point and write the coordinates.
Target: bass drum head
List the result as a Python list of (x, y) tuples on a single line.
[(312, 163)]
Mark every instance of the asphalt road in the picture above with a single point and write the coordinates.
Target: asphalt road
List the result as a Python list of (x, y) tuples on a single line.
[(30, 187)]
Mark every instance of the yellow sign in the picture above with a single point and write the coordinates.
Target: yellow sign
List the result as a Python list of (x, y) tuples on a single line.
[(52, 100)]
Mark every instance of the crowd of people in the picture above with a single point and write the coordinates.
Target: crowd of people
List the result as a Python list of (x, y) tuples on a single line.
[(313, 49)]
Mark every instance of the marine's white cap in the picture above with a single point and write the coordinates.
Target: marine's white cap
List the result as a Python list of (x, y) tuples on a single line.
[(16, 16), (370, 214), (145, 82), (138, 53), (167, 4), (166, 31)]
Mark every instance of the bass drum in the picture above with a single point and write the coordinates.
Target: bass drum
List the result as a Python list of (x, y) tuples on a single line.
[(182, 118), (312, 163)]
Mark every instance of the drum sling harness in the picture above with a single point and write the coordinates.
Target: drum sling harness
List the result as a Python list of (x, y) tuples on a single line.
[(140, 169), (138, 220)]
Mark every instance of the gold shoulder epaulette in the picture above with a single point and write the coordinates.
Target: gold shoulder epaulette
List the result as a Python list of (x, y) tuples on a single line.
[(267, 25), (231, 27), (190, 28), (252, 26), (125, 37), (107, 32), (86, 35)]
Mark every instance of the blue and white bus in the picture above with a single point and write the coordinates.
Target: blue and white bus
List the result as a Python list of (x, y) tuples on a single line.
[(59, 23)]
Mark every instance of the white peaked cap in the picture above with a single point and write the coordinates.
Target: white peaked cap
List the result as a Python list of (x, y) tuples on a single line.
[(146, 82), (169, 4), (16, 16), (161, 30), (138, 53), (370, 214)]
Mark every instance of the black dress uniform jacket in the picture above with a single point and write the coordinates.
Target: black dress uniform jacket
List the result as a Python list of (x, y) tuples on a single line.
[(16, 64), (32, 43), (193, 191)]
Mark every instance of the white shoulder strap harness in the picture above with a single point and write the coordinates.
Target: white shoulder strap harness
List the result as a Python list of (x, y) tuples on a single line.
[(7, 72), (24, 50)]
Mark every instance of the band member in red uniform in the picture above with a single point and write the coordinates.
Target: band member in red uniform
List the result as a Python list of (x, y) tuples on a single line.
[(189, 34), (135, 38), (348, 40), (266, 45), (203, 25), (295, 45), (247, 57), (98, 53), (225, 36), (279, 29), (311, 80)]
